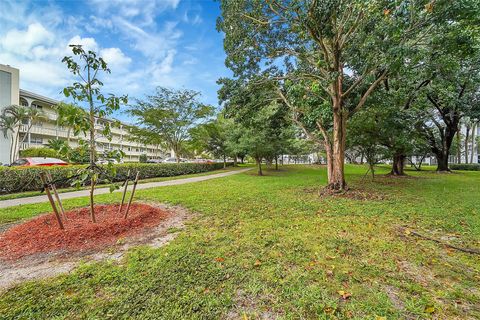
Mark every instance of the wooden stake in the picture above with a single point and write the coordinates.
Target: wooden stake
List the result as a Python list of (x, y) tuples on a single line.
[(124, 192), (57, 197), (52, 203), (131, 196)]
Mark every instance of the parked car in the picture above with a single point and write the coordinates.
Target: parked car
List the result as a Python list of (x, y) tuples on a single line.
[(106, 161), (154, 161), (38, 161), (203, 161), (170, 160)]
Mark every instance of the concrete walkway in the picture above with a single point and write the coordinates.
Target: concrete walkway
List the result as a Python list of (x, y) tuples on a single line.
[(140, 186)]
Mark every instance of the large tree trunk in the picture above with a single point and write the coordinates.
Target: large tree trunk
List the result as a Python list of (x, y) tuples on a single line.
[(443, 154), (442, 162), (259, 163), (235, 161), (224, 162), (398, 165), (276, 162)]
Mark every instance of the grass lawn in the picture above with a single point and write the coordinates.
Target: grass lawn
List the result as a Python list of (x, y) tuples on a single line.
[(271, 247)]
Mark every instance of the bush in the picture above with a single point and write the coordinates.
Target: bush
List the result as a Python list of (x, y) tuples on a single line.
[(465, 166), (143, 158), (19, 179), (39, 152)]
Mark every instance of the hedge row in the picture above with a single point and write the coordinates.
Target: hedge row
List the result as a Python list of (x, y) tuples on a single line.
[(19, 179), (465, 166)]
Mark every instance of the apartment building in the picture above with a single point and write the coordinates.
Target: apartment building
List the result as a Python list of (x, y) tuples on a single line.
[(48, 128)]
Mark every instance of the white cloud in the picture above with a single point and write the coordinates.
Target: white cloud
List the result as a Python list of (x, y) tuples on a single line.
[(86, 43), (23, 41), (142, 11), (115, 59)]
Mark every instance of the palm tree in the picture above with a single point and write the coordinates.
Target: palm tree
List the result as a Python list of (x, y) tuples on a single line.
[(8, 125), (12, 118), (73, 117)]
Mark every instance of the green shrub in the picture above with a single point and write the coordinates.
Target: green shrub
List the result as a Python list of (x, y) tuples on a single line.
[(143, 158), (39, 152), (19, 179), (465, 166)]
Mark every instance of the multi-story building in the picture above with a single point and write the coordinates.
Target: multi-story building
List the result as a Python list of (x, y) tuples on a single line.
[(48, 128)]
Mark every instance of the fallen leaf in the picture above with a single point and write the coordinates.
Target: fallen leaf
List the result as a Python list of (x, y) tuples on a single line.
[(257, 263), (219, 259), (429, 309), (345, 295), (328, 310)]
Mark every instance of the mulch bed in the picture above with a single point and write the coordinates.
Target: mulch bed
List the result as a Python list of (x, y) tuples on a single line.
[(42, 234)]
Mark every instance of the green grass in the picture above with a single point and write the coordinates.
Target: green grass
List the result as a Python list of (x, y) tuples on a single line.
[(26, 194), (272, 247)]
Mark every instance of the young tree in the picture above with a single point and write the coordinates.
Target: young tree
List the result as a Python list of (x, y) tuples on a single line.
[(233, 143), (87, 67), (169, 115), (212, 137), (345, 49)]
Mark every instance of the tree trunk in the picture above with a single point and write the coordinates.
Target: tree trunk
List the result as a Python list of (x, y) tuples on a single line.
[(235, 161), (474, 128), (459, 153), (276, 163), (92, 161), (336, 180), (443, 154), (398, 165), (442, 162), (224, 162), (467, 136), (259, 163)]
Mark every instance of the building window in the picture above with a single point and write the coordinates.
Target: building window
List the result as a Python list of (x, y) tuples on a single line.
[(36, 139)]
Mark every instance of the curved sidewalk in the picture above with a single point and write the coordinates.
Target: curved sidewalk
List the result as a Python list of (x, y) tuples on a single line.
[(140, 186)]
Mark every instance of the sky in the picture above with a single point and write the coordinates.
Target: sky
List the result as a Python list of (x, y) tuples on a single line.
[(146, 43)]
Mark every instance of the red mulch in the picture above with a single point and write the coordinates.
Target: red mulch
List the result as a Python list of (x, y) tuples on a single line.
[(42, 234)]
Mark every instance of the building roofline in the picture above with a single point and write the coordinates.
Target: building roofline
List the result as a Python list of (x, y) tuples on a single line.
[(36, 96)]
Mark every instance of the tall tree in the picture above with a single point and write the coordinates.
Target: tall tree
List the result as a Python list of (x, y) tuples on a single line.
[(264, 121), (447, 77), (88, 67), (345, 49), (169, 115)]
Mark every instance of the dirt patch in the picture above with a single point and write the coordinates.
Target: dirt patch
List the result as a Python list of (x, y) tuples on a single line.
[(61, 260), (246, 307), (353, 193)]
